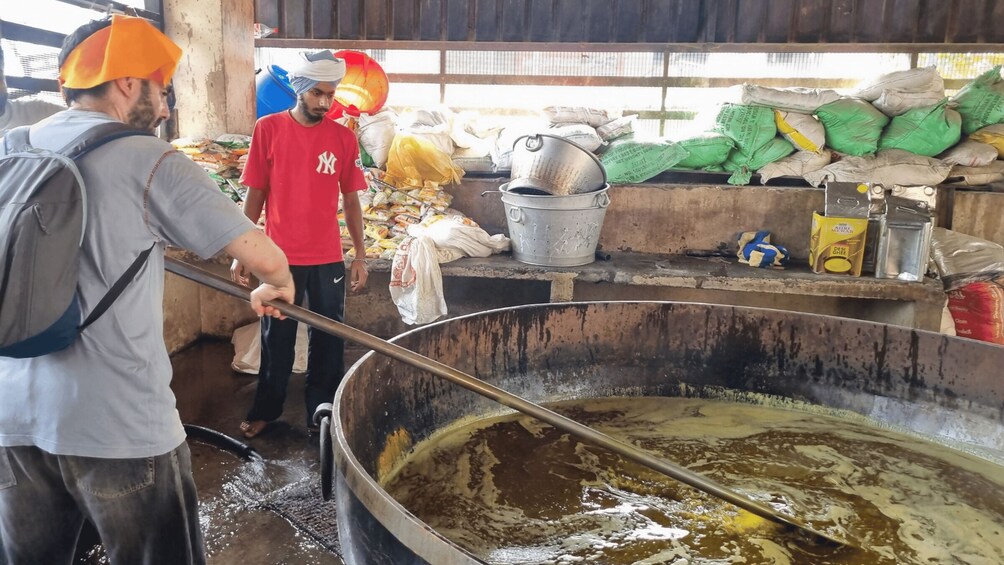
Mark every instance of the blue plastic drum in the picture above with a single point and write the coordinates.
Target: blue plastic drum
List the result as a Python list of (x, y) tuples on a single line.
[(273, 91)]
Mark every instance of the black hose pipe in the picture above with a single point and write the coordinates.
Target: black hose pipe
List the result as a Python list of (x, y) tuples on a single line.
[(222, 441)]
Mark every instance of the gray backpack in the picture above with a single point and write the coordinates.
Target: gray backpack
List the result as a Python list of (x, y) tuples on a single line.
[(42, 221)]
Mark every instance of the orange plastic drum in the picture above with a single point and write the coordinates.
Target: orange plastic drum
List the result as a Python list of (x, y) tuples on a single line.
[(364, 88)]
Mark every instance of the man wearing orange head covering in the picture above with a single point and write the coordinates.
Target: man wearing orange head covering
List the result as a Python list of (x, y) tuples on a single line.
[(92, 431)]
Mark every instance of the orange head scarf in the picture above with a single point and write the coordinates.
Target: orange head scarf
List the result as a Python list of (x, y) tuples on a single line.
[(129, 47)]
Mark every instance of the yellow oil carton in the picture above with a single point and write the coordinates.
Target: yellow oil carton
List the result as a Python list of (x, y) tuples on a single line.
[(837, 245)]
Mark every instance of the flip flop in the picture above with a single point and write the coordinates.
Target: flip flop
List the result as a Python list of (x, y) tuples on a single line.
[(253, 428)]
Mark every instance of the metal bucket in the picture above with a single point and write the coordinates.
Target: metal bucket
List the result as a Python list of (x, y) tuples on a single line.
[(555, 231), (555, 165), (935, 385)]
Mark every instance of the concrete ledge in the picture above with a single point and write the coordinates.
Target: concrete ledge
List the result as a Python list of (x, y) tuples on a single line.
[(693, 272), (925, 298)]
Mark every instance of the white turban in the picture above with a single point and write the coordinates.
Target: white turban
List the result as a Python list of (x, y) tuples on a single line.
[(317, 67)]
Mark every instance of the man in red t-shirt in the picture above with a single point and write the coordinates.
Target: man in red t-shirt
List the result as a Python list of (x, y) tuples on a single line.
[(298, 166)]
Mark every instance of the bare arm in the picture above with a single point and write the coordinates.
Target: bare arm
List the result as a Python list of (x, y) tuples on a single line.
[(354, 221), (261, 256), (254, 201)]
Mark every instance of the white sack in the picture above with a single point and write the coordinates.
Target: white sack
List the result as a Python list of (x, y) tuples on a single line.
[(798, 99), (577, 115), (376, 134), (970, 153), (924, 79), (617, 128), (896, 102), (801, 130), (583, 135), (797, 164), (887, 167), (247, 349), (977, 176), (502, 151), (432, 125)]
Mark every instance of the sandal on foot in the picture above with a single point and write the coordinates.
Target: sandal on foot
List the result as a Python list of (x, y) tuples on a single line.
[(253, 428)]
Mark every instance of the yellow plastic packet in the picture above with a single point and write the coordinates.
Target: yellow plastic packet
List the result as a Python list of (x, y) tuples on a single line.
[(416, 162)]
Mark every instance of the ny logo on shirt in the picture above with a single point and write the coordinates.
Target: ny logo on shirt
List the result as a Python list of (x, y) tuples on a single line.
[(326, 163)]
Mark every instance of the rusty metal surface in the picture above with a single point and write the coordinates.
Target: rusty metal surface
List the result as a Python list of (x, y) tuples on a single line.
[(640, 21), (944, 387)]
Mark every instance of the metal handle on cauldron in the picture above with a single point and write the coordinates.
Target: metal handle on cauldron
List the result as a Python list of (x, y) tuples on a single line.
[(503, 397)]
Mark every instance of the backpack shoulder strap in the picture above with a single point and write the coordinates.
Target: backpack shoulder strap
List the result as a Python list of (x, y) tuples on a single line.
[(117, 288), (16, 140), (97, 136), (88, 141)]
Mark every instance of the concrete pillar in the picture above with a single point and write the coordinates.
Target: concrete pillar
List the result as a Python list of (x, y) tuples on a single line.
[(215, 79)]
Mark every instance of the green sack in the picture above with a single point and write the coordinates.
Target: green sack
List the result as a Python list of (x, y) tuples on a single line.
[(775, 149), (705, 150), (924, 131), (638, 161), (981, 102), (749, 126), (852, 126)]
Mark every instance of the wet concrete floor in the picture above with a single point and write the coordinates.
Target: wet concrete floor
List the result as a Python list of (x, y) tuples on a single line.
[(238, 497)]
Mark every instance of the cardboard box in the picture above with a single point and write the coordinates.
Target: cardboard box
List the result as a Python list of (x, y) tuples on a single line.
[(837, 245)]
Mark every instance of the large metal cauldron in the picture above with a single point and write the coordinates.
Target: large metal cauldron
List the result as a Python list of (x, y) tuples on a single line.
[(942, 386)]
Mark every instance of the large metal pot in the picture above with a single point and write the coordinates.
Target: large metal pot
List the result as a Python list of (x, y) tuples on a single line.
[(555, 231), (554, 165), (933, 384)]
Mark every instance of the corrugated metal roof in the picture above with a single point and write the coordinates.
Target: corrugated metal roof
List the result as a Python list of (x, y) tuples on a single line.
[(786, 22)]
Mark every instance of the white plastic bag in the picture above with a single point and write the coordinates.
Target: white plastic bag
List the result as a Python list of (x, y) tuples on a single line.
[(416, 283), (470, 241), (247, 349)]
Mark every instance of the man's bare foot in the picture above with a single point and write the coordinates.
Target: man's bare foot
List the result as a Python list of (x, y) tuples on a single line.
[(253, 428)]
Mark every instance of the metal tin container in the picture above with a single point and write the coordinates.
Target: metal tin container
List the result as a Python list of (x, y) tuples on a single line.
[(905, 242), (876, 210)]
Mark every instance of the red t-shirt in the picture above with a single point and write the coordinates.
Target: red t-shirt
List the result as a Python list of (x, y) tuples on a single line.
[(303, 170)]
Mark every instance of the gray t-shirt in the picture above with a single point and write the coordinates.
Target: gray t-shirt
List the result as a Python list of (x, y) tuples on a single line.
[(109, 395), (25, 112)]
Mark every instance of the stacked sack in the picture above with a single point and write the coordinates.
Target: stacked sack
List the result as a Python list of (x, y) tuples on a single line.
[(222, 158), (927, 139), (769, 130), (898, 128)]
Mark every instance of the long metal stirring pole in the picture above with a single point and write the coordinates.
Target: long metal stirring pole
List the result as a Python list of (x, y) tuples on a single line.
[(682, 474)]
